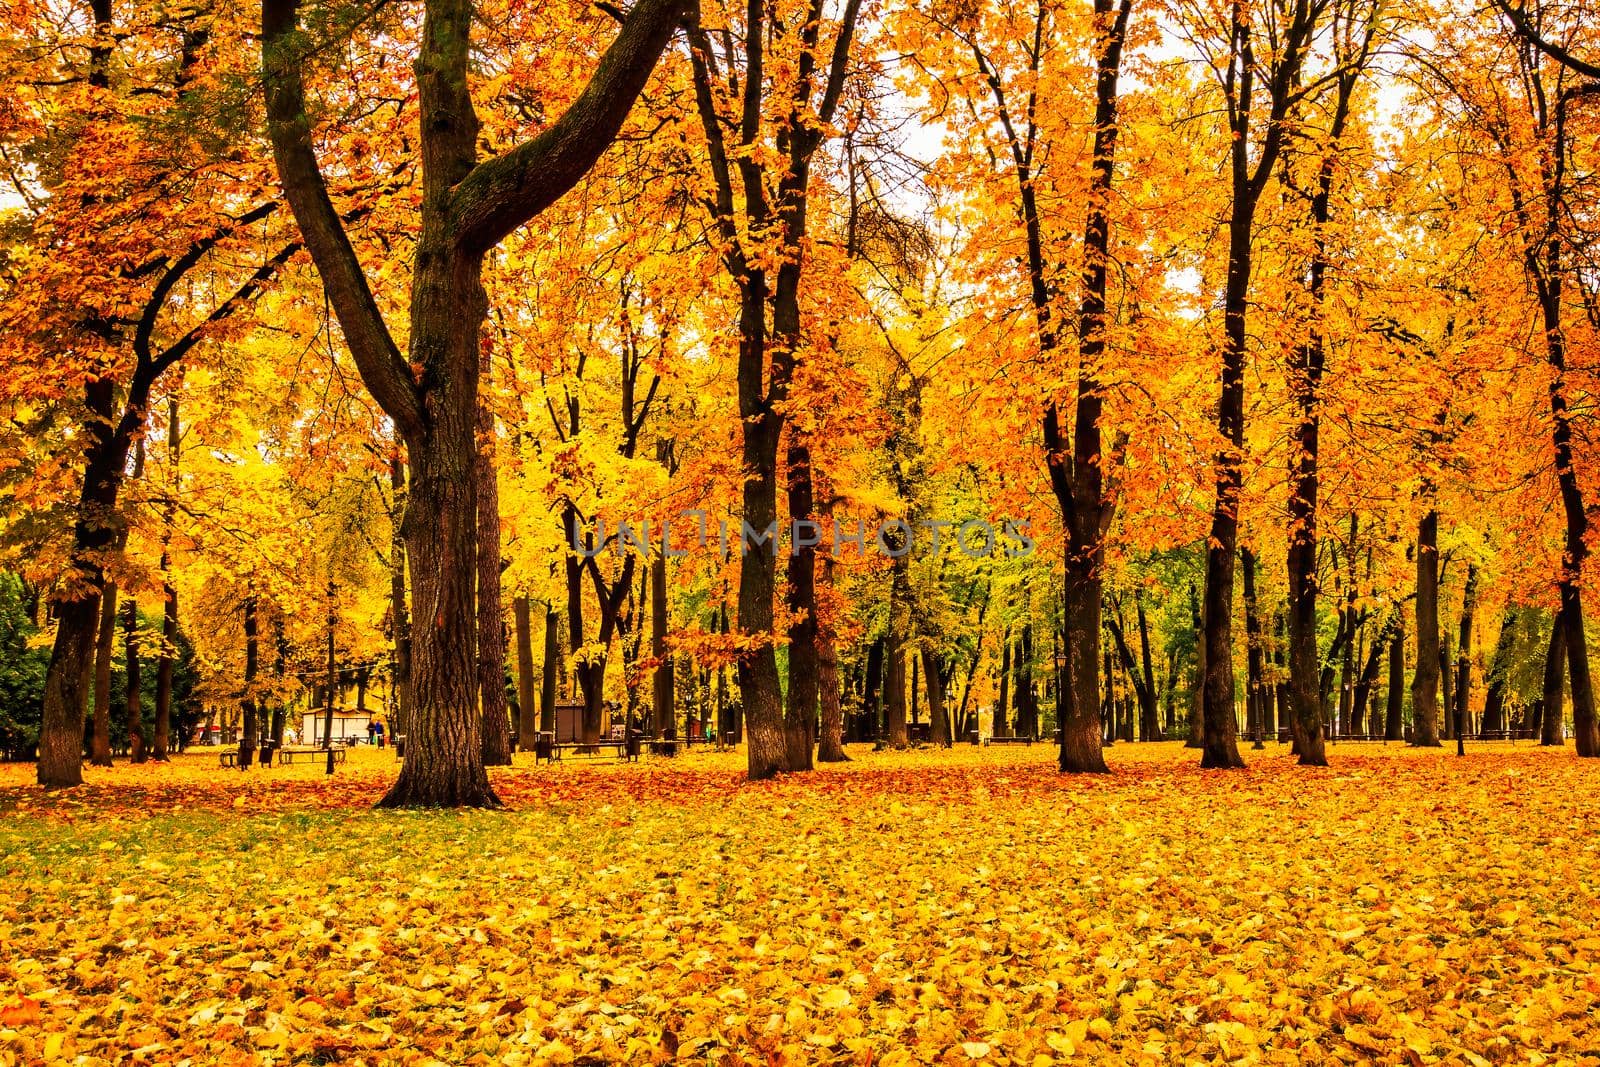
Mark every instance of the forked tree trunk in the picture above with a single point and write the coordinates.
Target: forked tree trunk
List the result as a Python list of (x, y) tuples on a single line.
[(467, 208)]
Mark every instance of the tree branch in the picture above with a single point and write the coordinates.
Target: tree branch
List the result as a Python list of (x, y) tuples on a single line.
[(502, 193), (382, 367)]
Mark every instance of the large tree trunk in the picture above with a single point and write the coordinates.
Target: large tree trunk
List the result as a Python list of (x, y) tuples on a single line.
[(1585, 728), (1078, 477), (1425, 680), (431, 393), (491, 614), (247, 701), (1219, 747)]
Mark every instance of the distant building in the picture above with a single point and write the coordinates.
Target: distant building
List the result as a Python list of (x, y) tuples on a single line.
[(347, 722)]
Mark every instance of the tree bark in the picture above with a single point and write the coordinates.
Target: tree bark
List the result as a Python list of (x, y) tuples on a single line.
[(491, 612), (1078, 476), (135, 708), (105, 643), (1550, 726), (894, 681), (1425, 679), (399, 616), (527, 698), (830, 741), (467, 208), (1253, 664), (801, 715), (1394, 725), (663, 711), (1002, 713), (251, 729), (1463, 691)]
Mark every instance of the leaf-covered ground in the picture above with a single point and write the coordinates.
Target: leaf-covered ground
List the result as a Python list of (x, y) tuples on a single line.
[(1403, 907)]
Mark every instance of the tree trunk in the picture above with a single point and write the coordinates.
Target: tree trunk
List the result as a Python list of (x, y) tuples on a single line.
[(894, 681), (1197, 716), (251, 729), (135, 681), (1447, 683), (1463, 691), (662, 703), (800, 718), (399, 616), (1425, 680), (1001, 725), (1494, 702), (1149, 720), (1394, 726), (1550, 727), (1253, 663), (527, 699), (105, 642), (491, 613), (169, 612), (938, 712), (431, 393), (871, 700), (830, 742)]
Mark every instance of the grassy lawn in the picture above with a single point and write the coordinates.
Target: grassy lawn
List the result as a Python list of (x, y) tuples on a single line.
[(972, 905)]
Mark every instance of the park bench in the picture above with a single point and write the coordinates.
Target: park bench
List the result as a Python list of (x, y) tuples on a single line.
[(1018, 739), (230, 757), (292, 755), (547, 748)]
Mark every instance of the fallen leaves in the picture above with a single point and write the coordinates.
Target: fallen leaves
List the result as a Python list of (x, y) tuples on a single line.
[(962, 907)]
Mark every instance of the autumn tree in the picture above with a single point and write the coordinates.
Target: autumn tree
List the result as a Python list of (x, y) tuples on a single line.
[(431, 392)]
